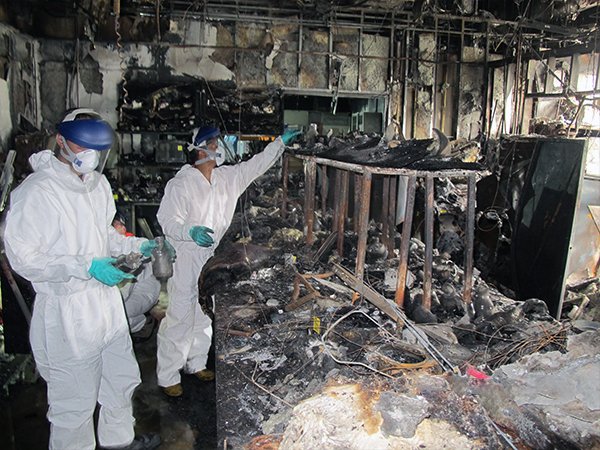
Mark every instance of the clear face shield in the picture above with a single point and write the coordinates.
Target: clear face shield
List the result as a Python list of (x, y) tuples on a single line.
[(227, 148), (213, 145), (209, 154), (85, 143), (84, 160)]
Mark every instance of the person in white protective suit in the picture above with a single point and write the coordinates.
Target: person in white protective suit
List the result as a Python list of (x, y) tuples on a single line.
[(139, 296), (59, 236), (195, 212)]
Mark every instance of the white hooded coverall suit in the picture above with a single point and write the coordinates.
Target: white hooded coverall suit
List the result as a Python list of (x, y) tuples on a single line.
[(184, 335), (79, 336), (139, 297)]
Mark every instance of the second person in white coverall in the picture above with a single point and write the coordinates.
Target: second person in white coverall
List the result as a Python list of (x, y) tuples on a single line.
[(140, 295), (195, 212), (59, 236)]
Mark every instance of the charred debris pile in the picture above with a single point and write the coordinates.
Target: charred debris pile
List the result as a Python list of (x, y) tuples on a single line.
[(393, 151), (308, 355)]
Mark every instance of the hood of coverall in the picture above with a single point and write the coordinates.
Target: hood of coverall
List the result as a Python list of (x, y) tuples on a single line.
[(45, 161)]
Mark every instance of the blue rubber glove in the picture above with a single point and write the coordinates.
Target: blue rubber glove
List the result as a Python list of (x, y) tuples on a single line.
[(147, 247), (289, 136), (201, 237), (102, 269)]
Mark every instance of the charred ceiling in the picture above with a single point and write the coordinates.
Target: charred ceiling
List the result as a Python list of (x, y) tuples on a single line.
[(151, 18)]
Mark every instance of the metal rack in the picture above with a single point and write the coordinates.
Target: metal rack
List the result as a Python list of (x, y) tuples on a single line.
[(362, 195)]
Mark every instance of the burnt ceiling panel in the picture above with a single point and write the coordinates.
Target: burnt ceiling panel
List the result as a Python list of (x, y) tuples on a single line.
[(284, 71), (556, 26), (345, 44), (374, 65), (225, 54), (251, 41), (314, 68)]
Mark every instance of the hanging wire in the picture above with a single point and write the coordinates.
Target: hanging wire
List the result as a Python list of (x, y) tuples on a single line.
[(216, 105), (243, 199), (158, 20), (121, 53), (595, 69)]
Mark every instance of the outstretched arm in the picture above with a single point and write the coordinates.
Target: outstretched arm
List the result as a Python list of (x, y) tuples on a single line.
[(250, 170)]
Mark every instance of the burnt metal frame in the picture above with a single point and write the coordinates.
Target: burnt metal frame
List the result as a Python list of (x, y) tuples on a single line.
[(361, 215)]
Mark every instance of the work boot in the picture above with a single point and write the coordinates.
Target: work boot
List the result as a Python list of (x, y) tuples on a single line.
[(146, 332), (205, 375), (173, 391), (148, 441)]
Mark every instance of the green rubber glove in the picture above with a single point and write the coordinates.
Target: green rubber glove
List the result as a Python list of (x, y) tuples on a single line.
[(147, 247), (201, 237), (170, 249), (289, 136), (102, 269)]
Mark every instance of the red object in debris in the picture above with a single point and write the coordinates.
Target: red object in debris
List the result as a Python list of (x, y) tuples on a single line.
[(477, 374)]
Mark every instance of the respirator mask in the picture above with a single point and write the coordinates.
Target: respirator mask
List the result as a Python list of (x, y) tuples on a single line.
[(83, 162), (87, 130)]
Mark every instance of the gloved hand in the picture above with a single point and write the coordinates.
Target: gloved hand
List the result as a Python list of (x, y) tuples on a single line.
[(147, 247), (170, 249), (200, 235), (289, 136), (102, 269)]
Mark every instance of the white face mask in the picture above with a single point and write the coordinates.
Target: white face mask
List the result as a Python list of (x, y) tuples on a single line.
[(86, 161), (82, 162), (210, 156)]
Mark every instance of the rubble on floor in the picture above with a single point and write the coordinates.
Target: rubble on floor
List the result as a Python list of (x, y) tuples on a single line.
[(302, 361), (557, 390)]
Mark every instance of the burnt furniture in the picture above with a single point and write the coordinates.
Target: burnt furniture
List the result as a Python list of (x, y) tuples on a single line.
[(363, 178)]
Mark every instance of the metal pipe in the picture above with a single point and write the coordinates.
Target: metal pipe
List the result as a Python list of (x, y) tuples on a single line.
[(469, 237), (363, 220), (324, 187), (285, 171), (343, 211), (405, 243), (485, 89), (427, 267), (336, 197), (358, 168), (310, 175), (385, 206), (357, 196), (391, 216)]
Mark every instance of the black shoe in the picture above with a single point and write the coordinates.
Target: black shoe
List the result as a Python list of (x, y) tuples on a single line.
[(146, 332), (148, 441)]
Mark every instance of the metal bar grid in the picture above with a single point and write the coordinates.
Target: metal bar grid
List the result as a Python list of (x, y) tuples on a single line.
[(362, 194)]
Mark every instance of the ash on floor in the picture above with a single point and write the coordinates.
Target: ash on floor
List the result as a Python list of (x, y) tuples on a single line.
[(185, 423)]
